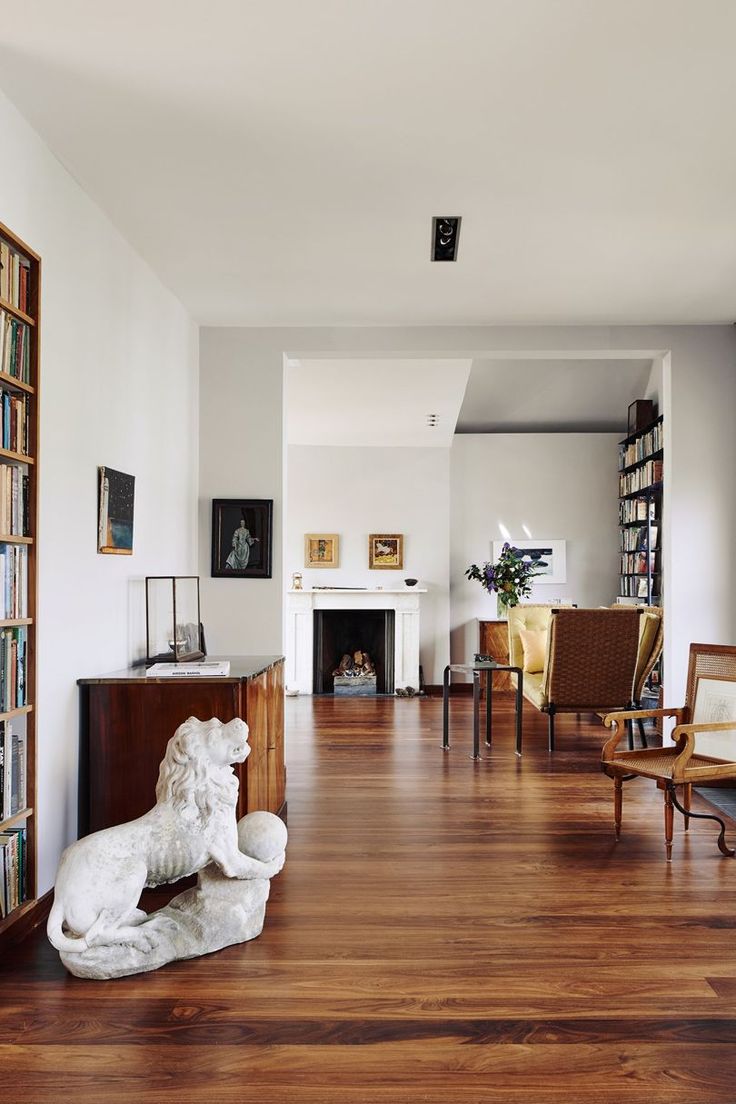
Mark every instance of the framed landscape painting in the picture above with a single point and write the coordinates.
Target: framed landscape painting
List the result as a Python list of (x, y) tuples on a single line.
[(115, 498), (241, 538), (386, 550), (321, 549)]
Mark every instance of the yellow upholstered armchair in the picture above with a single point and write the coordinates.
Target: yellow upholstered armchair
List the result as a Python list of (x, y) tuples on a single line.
[(589, 658), (708, 715)]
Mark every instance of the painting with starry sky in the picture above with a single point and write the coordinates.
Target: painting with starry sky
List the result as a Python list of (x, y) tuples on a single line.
[(115, 519)]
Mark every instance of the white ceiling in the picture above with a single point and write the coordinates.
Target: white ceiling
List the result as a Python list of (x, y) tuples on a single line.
[(279, 162), (374, 402), (557, 396)]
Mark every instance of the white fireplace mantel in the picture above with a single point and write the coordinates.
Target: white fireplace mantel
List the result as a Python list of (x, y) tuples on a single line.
[(300, 608)]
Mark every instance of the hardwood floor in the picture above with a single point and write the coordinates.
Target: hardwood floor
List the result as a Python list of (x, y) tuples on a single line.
[(443, 931)]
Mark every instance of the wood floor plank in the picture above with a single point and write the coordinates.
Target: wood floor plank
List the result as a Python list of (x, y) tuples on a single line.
[(443, 929)]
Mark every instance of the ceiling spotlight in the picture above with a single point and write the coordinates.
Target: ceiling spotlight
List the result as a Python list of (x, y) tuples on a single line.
[(445, 234)]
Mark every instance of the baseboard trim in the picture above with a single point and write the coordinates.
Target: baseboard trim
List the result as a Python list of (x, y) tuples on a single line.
[(464, 690)]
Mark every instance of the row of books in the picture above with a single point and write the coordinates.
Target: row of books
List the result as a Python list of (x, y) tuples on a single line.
[(15, 277), (15, 348), (651, 442), (645, 476), (13, 581), (13, 796), (636, 509), (632, 587), (13, 864), (13, 663), (635, 540), (636, 563), (14, 501), (14, 421)]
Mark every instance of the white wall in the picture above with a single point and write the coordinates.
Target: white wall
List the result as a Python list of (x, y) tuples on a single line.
[(558, 485), (357, 491), (119, 387), (241, 430)]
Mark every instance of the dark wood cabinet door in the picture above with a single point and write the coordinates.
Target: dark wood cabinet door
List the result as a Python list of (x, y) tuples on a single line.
[(124, 737)]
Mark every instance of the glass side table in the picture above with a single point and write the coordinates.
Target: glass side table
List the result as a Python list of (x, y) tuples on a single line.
[(487, 667)]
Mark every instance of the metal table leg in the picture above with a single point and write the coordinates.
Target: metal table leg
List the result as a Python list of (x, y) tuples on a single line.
[(489, 708), (476, 715), (446, 710), (519, 709)]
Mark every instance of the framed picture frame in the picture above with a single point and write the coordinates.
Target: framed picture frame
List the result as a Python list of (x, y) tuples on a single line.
[(386, 552), (321, 549), (242, 536), (115, 502), (551, 552)]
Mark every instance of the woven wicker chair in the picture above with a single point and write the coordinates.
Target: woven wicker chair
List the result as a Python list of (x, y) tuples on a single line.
[(591, 659), (678, 764), (651, 642)]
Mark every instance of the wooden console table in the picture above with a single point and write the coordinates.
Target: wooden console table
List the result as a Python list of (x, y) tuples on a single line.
[(493, 639), (127, 720)]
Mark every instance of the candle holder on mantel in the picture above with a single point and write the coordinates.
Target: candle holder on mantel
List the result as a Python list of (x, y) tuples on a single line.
[(173, 628)]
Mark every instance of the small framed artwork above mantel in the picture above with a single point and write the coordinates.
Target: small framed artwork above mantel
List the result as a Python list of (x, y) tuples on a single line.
[(549, 553), (386, 551), (321, 549)]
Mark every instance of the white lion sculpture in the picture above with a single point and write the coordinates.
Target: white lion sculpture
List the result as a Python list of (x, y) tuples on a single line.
[(193, 824)]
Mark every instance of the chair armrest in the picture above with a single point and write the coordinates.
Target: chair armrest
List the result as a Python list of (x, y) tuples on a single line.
[(684, 735), (616, 722)]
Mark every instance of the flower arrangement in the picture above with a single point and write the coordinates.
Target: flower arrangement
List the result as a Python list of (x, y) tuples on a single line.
[(510, 578)]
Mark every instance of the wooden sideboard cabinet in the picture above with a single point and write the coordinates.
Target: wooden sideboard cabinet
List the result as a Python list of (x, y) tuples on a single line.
[(127, 720), (493, 639)]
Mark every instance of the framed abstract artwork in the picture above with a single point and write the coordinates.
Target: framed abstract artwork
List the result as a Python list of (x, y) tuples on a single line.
[(549, 554), (242, 538), (115, 499)]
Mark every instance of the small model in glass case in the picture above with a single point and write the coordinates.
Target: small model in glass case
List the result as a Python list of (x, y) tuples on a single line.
[(173, 631)]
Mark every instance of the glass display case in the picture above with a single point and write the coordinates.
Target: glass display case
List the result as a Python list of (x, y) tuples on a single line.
[(173, 631)]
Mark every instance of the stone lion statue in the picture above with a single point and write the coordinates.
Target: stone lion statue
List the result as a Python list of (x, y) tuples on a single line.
[(192, 825)]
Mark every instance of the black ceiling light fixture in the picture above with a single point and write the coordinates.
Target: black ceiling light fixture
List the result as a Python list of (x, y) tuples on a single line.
[(445, 234)]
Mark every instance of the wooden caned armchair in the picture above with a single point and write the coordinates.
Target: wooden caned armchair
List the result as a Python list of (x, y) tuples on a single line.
[(710, 697), (590, 660)]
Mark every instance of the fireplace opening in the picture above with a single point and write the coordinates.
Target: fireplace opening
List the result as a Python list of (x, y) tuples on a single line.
[(343, 633)]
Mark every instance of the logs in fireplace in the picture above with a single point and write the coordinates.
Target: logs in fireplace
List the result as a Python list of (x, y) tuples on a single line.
[(353, 652)]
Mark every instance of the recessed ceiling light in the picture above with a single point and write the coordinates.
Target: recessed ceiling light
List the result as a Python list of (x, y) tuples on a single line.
[(445, 235)]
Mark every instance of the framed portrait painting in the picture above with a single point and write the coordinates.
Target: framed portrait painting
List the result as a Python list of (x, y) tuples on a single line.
[(386, 550), (242, 538), (321, 549)]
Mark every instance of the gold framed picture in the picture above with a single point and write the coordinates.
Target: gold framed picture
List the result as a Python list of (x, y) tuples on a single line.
[(321, 549), (386, 550)]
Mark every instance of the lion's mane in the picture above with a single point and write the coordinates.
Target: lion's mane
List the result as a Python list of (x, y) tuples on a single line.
[(186, 778)]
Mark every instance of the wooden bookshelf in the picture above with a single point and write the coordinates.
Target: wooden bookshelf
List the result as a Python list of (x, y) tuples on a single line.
[(20, 299)]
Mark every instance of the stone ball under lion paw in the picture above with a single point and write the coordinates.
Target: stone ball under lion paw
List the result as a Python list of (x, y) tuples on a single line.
[(262, 835)]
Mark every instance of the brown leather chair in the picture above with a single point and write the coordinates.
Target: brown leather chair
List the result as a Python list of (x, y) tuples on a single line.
[(679, 764)]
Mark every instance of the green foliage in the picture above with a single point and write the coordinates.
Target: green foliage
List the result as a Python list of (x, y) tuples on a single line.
[(510, 577)]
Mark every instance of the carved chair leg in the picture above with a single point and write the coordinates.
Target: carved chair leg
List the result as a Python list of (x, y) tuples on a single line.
[(669, 817), (722, 845), (687, 793), (618, 801)]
